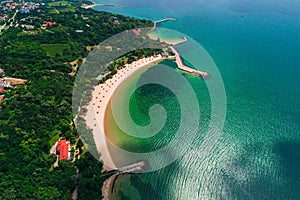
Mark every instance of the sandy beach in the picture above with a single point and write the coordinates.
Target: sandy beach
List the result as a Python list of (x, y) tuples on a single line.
[(173, 42), (100, 99)]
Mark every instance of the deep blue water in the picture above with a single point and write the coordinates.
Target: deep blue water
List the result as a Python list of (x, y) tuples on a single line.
[(258, 56)]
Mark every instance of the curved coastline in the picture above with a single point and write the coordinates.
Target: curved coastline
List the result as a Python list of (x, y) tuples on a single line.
[(109, 87), (87, 6), (100, 99), (173, 42)]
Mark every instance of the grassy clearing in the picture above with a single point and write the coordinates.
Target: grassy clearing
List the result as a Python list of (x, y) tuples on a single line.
[(59, 29), (58, 4), (53, 140), (53, 11), (54, 49), (63, 6), (69, 8), (25, 33), (72, 9), (32, 32)]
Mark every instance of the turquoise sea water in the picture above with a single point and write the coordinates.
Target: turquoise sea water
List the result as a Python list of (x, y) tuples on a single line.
[(258, 153)]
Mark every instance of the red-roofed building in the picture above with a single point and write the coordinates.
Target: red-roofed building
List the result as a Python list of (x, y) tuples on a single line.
[(1, 97), (63, 149), (2, 89), (136, 32), (48, 23)]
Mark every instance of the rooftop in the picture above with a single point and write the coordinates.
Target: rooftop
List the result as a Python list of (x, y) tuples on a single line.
[(63, 149)]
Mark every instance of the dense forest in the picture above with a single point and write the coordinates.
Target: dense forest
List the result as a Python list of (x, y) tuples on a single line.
[(34, 115)]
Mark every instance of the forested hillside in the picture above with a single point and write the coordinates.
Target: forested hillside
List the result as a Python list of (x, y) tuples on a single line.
[(33, 116)]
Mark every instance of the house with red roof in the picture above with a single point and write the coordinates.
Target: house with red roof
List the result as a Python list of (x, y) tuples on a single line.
[(63, 149), (136, 32), (48, 23), (1, 90)]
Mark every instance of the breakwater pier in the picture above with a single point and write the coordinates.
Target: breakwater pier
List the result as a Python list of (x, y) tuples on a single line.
[(185, 68)]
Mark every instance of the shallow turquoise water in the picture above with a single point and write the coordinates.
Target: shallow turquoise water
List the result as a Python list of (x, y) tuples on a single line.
[(258, 154)]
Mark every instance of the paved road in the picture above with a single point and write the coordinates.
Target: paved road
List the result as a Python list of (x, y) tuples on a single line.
[(2, 27), (12, 19)]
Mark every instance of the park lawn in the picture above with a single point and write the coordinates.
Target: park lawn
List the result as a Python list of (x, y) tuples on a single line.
[(67, 8), (54, 49), (71, 9), (53, 11), (61, 6), (58, 4), (53, 140), (60, 29), (31, 32)]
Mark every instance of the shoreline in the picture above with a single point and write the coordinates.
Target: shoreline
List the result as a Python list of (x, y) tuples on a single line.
[(169, 42), (100, 99), (97, 108), (109, 88), (87, 6), (185, 68), (159, 21)]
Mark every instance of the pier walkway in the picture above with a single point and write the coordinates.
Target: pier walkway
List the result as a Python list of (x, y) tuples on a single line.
[(159, 21), (166, 19), (98, 4), (186, 68), (180, 42)]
